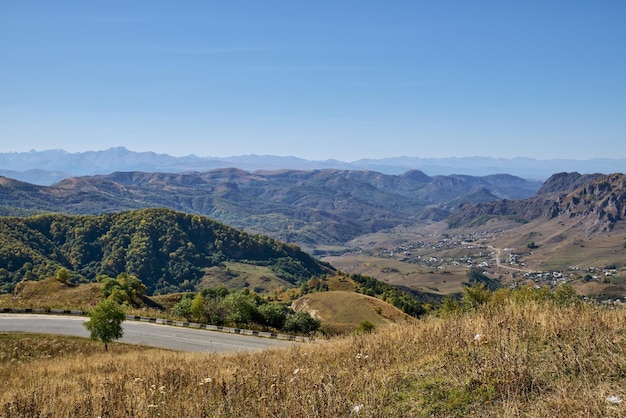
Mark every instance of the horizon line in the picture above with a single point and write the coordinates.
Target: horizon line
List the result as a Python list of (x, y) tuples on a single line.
[(121, 147)]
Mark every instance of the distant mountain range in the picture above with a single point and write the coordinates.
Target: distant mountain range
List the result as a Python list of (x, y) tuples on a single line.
[(51, 166), (311, 208)]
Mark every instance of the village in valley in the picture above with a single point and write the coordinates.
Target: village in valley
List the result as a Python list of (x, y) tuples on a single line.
[(451, 255)]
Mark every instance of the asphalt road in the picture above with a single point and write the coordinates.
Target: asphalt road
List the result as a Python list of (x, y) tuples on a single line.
[(143, 333)]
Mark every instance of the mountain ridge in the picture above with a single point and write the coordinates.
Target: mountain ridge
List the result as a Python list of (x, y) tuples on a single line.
[(50, 166), (328, 206), (597, 200)]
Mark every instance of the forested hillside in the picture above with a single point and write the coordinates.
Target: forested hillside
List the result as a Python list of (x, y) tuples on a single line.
[(163, 248)]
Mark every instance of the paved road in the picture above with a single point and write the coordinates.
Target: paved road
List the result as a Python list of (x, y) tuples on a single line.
[(143, 333)]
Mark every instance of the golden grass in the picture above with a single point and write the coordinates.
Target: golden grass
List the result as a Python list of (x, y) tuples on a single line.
[(342, 311), (24, 347), (50, 293), (531, 360)]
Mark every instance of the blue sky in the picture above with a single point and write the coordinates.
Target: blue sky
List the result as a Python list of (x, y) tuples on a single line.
[(317, 80)]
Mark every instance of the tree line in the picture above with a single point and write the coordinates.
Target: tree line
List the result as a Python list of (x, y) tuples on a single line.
[(219, 306)]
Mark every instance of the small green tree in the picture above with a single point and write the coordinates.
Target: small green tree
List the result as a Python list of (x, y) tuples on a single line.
[(105, 322), (63, 275), (198, 308)]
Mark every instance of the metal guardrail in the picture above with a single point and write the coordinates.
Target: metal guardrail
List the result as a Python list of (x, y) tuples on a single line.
[(218, 328)]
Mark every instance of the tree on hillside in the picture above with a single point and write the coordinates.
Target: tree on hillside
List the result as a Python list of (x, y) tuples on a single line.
[(63, 275), (105, 322), (125, 288)]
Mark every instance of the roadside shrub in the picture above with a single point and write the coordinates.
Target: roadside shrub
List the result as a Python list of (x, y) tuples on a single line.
[(273, 314), (241, 306), (183, 308), (301, 322)]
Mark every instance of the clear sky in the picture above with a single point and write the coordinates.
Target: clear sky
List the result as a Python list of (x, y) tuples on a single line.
[(318, 79)]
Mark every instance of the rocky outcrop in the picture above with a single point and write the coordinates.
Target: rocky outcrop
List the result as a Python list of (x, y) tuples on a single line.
[(566, 182), (598, 201)]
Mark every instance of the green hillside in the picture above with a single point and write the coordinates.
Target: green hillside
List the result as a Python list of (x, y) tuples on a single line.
[(167, 250)]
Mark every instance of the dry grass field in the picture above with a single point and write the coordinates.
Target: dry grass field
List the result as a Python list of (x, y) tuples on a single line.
[(562, 244), (512, 357), (342, 311), (400, 273), (52, 294)]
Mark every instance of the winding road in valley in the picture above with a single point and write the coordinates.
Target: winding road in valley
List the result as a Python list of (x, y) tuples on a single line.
[(143, 333), (499, 263)]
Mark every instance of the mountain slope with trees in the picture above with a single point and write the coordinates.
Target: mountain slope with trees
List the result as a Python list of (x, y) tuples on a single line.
[(166, 250)]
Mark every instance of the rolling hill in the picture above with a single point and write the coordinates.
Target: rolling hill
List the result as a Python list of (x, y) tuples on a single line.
[(341, 312)]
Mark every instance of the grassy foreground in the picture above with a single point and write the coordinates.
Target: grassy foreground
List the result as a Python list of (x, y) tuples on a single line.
[(506, 359)]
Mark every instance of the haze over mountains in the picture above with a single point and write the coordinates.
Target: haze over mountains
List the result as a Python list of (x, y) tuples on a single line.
[(575, 219), (51, 166)]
